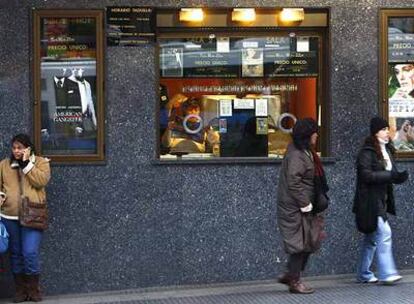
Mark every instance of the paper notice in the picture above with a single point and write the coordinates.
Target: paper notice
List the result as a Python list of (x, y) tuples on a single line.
[(302, 44), (225, 108), (261, 107), (244, 103), (223, 45)]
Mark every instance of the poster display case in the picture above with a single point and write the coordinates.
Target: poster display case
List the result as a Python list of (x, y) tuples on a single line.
[(68, 85), (397, 77)]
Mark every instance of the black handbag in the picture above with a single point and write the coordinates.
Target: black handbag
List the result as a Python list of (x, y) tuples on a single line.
[(321, 201)]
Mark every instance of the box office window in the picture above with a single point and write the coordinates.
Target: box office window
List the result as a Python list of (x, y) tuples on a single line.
[(236, 95), (397, 77)]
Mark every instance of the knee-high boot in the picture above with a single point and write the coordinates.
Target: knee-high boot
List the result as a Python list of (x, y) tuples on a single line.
[(21, 288), (34, 288)]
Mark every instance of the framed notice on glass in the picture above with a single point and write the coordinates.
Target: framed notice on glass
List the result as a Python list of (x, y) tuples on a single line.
[(397, 77), (68, 85)]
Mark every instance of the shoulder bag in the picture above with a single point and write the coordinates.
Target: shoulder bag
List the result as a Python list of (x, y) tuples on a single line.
[(32, 214)]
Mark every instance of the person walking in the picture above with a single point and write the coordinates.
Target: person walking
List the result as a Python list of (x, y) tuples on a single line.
[(374, 198), (28, 174), (297, 218)]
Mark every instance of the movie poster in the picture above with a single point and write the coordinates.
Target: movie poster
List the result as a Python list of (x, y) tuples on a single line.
[(401, 105), (400, 82), (68, 86), (252, 62)]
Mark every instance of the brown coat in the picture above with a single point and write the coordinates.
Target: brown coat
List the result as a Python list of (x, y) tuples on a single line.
[(295, 190), (34, 183)]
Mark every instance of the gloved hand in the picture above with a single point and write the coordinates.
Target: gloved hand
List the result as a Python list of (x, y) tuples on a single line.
[(399, 177), (23, 163)]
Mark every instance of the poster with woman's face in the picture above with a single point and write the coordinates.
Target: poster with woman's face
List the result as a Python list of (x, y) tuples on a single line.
[(401, 81), (401, 105)]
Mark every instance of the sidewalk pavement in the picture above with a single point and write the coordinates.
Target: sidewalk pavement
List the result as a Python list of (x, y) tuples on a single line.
[(329, 289)]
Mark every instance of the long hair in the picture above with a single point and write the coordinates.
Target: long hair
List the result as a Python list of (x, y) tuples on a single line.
[(373, 141)]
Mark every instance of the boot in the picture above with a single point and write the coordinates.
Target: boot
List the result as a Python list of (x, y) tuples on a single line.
[(21, 288), (34, 288)]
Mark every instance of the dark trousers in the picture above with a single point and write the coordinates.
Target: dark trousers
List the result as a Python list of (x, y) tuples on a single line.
[(297, 263)]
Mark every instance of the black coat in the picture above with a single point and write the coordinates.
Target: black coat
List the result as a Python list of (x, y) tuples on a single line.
[(373, 188)]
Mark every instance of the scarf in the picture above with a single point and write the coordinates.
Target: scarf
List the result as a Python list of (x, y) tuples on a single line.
[(320, 178)]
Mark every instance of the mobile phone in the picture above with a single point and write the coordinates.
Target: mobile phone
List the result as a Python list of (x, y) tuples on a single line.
[(31, 152)]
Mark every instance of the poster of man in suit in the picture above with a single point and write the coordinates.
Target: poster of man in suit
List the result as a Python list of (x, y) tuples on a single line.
[(68, 86)]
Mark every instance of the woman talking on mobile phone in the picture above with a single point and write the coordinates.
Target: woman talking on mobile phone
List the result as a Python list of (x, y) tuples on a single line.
[(23, 175)]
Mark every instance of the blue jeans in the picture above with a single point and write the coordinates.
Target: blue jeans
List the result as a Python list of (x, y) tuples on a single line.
[(380, 242), (24, 244)]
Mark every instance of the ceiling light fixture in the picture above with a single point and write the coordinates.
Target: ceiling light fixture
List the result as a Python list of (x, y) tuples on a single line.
[(191, 14), (292, 15), (243, 14)]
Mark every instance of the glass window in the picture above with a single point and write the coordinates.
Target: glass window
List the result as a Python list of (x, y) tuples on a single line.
[(236, 95)]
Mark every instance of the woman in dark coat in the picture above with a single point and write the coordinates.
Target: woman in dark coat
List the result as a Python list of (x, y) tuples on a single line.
[(374, 198), (296, 194)]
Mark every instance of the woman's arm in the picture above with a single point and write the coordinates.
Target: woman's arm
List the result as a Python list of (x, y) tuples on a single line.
[(295, 173), (38, 173), (365, 161)]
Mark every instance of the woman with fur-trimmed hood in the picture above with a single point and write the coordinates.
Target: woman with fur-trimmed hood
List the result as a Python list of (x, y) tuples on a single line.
[(296, 194)]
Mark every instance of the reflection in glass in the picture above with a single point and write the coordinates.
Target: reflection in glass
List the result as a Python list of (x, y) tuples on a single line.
[(234, 97)]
